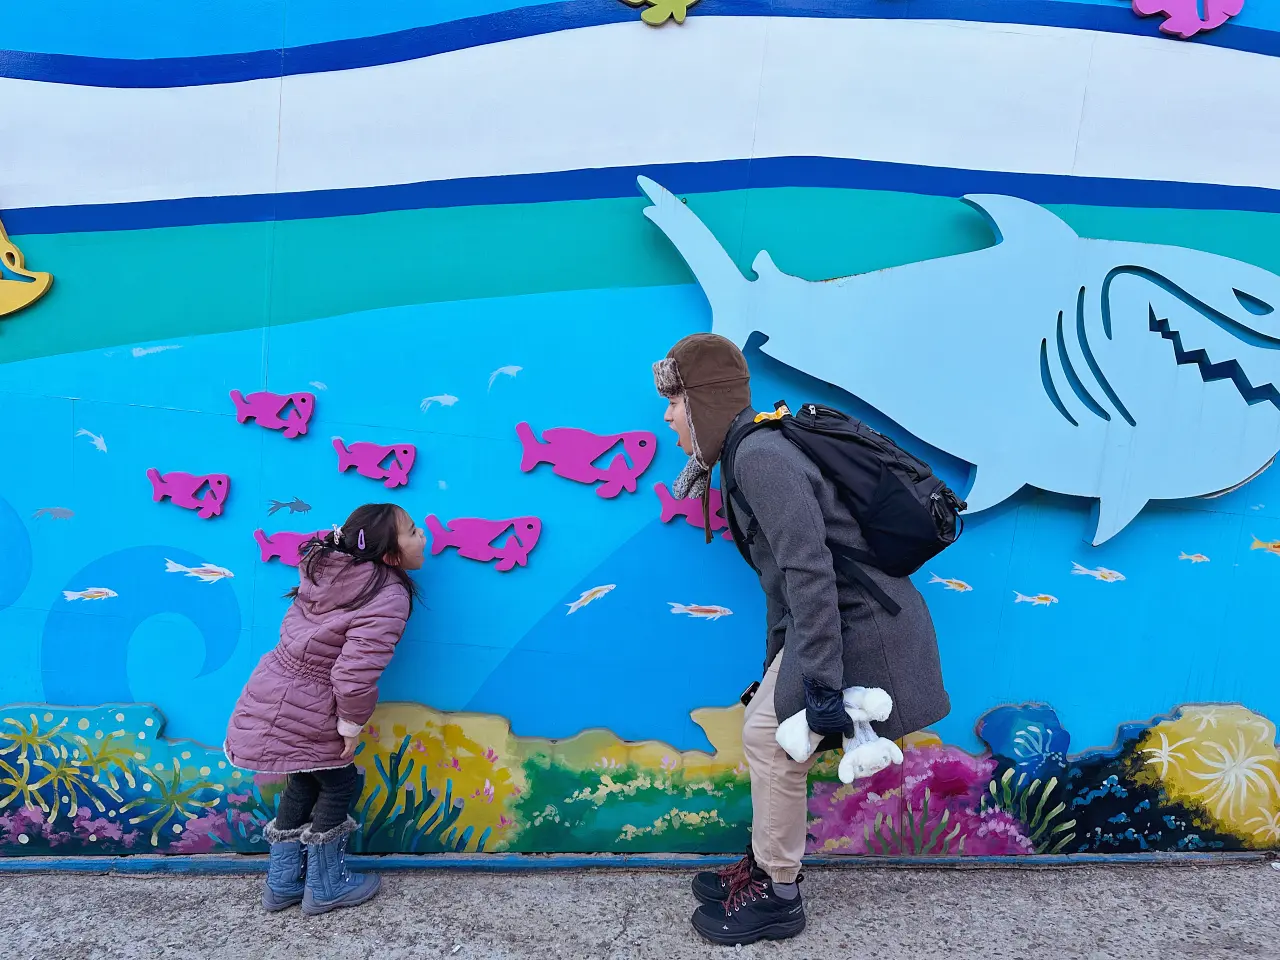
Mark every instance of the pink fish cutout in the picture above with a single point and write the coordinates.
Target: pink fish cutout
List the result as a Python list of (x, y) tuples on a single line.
[(368, 459), (181, 489), (691, 509), (573, 452), (474, 539), (286, 545), (1184, 15), (266, 408)]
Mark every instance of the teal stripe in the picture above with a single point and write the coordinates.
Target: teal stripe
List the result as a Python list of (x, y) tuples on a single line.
[(124, 287)]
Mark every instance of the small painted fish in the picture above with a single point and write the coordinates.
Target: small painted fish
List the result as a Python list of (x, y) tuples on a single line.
[(443, 399), (588, 596), (1101, 573), (318, 384), (55, 513), (1039, 600), (96, 440), (957, 585), (1271, 546), (503, 372), (207, 572), (699, 612), (296, 505), (93, 593), (1194, 557)]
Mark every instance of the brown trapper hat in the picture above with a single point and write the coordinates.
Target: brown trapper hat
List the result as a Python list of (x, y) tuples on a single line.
[(711, 373)]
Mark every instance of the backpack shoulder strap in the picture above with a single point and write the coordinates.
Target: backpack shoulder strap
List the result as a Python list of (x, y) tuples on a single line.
[(736, 508)]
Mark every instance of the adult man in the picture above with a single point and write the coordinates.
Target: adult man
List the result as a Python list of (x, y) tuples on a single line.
[(825, 630)]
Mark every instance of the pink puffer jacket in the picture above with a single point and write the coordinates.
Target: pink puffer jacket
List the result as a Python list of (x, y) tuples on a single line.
[(325, 668)]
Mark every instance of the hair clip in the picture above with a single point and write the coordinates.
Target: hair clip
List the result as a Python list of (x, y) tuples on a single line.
[(360, 541), (337, 533)]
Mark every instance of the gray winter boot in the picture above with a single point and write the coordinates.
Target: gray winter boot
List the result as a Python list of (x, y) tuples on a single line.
[(286, 869), (329, 884)]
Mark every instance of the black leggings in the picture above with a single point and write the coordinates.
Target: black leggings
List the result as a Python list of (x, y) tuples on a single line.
[(323, 797)]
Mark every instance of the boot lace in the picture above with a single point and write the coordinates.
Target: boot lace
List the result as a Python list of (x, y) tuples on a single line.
[(749, 890), (737, 874)]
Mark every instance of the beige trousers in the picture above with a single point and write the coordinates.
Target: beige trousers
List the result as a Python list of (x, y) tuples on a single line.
[(779, 788)]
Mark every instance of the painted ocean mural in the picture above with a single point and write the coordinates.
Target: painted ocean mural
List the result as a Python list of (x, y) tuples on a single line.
[(327, 238)]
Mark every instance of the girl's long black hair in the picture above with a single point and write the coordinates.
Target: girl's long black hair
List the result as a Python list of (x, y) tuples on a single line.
[(370, 535)]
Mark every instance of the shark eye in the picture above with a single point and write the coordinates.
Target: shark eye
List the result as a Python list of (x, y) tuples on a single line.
[(1259, 308)]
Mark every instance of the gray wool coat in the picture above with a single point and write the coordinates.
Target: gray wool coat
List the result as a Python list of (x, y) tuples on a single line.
[(829, 627)]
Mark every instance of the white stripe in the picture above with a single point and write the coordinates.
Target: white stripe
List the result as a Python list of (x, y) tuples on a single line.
[(947, 94)]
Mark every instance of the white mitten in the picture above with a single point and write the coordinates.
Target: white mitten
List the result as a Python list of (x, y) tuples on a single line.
[(795, 737)]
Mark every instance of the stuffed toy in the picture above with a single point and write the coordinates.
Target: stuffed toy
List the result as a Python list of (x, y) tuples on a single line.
[(865, 753)]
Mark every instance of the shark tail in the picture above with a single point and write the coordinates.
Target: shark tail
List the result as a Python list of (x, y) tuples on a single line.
[(264, 545), (345, 460), (669, 502), (678, 607), (157, 485), (439, 535), (713, 268), (171, 567), (242, 407), (531, 448)]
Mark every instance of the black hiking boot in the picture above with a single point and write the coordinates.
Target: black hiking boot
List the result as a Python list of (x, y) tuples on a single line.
[(752, 912), (716, 886)]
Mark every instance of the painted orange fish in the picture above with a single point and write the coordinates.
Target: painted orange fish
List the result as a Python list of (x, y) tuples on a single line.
[(700, 612), (1101, 573), (92, 593), (957, 585), (589, 596), (1271, 546), (1039, 600), (1194, 557)]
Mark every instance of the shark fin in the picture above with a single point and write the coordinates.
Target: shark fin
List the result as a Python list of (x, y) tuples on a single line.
[(722, 282), (1018, 220), (1113, 514), (990, 488)]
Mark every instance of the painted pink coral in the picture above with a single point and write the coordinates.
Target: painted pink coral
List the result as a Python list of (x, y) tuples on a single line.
[(870, 817), (573, 453), (1183, 16)]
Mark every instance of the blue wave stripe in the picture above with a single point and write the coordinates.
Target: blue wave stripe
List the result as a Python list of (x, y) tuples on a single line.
[(145, 29), (615, 182), (419, 42)]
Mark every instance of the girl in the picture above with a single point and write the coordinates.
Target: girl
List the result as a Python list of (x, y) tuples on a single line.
[(303, 708)]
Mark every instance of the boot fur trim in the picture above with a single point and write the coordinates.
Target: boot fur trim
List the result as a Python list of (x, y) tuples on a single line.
[(329, 836), (274, 834)]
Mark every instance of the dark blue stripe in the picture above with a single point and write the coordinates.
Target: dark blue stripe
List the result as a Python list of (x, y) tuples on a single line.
[(553, 17), (614, 182)]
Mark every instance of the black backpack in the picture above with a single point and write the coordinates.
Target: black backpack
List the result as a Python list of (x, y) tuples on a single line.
[(907, 515)]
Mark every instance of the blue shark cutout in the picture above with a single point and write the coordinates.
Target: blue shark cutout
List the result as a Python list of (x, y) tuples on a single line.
[(1123, 372)]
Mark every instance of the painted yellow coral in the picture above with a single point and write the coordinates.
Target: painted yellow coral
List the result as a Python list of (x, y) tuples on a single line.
[(1222, 757), (675, 820)]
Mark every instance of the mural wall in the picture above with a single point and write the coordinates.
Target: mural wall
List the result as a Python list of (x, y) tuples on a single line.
[(268, 262)]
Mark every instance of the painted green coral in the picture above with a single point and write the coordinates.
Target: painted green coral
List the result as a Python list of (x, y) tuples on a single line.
[(660, 11)]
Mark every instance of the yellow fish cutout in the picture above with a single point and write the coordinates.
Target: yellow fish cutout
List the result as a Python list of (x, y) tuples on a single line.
[(16, 294), (778, 414)]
